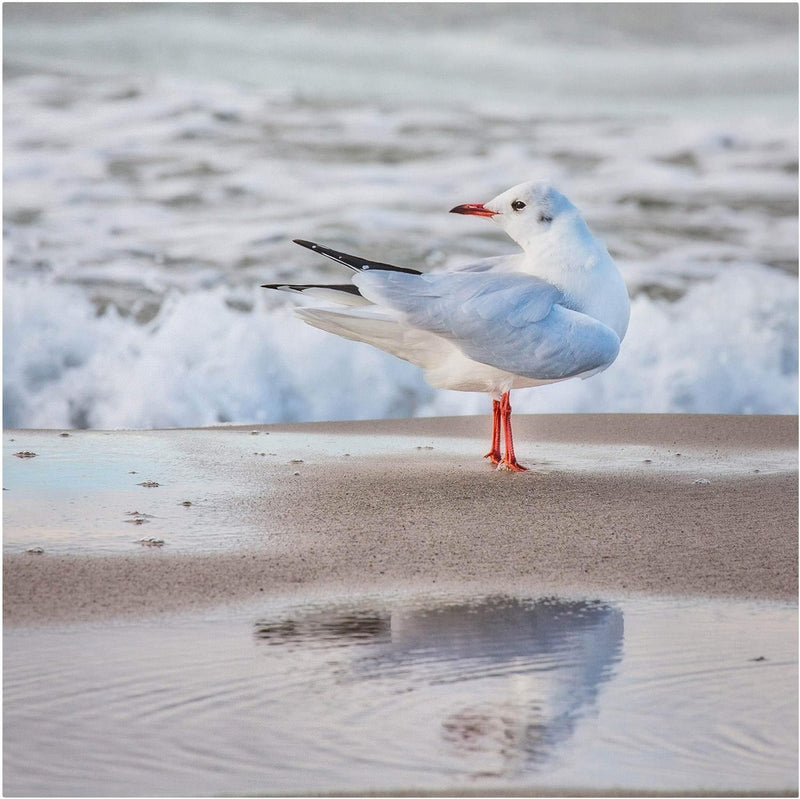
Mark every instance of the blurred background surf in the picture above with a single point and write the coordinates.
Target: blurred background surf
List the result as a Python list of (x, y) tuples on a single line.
[(160, 158)]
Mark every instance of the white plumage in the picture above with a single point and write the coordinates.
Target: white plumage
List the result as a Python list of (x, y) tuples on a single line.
[(557, 310)]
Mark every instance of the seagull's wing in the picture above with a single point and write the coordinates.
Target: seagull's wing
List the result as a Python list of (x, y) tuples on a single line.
[(513, 322), (342, 293), (354, 262), (349, 314), (338, 294), (497, 264)]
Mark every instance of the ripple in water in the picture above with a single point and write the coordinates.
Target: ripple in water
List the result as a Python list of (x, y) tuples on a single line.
[(392, 694)]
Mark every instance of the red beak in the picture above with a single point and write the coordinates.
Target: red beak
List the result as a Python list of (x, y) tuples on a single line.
[(476, 209)]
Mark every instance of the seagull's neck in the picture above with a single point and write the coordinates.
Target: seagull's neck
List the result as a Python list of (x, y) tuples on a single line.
[(561, 254)]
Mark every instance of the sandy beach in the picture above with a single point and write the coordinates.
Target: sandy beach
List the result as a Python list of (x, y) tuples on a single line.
[(370, 608), (663, 504)]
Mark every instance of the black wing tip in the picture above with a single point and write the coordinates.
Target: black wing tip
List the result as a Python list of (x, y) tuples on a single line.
[(353, 262), (347, 288)]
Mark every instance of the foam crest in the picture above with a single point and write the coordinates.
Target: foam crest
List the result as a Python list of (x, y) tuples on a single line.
[(211, 356)]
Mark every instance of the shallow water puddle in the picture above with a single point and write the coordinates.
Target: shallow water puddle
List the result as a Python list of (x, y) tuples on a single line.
[(98, 492), (396, 692)]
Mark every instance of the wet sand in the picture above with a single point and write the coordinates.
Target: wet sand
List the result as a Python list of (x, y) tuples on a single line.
[(663, 504)]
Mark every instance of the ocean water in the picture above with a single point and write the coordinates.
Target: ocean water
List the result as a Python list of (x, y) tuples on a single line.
[(160, 158)]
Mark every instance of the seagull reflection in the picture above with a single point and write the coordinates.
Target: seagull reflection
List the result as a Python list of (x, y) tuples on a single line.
[(326, 628), (513, 677), (547, 658)]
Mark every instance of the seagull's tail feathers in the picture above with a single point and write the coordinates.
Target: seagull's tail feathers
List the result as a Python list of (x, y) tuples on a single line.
[(357, 325), (386, 333)]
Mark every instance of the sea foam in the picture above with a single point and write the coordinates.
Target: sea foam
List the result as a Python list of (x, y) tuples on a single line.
[(729, 345)]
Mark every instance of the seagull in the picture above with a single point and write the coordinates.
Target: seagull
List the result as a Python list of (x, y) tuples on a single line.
[(557, 310)]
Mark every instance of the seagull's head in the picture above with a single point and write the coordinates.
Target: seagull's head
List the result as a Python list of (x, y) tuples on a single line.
[(526, 211)]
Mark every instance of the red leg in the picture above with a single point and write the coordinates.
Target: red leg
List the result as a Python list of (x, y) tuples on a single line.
[(494, 453), (509, 460)]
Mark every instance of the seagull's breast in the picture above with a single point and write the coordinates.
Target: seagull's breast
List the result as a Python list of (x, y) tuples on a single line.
[(581, 267), (600, 292)]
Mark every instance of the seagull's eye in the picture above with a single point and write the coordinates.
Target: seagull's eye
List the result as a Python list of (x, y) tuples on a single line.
[(518, 205), (544, 218)]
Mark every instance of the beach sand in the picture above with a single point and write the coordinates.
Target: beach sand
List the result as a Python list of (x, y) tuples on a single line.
[(663, 504)]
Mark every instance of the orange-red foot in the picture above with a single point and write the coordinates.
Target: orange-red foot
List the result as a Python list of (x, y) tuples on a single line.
[(494, 457), (511, 465)]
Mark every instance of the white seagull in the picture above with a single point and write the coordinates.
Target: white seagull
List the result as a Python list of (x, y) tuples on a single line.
[(559, 309)]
